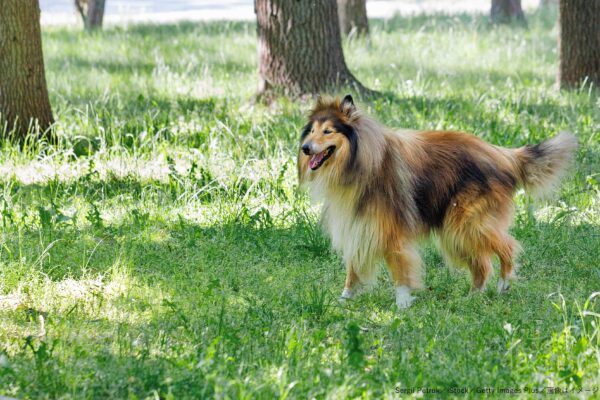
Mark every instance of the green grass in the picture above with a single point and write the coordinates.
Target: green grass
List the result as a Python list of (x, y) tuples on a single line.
[(162, 249)]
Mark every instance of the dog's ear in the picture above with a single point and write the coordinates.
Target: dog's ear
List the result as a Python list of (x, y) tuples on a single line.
[(347, 105)]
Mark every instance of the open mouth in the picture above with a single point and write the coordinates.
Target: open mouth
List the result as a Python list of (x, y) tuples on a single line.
[(319, 159)]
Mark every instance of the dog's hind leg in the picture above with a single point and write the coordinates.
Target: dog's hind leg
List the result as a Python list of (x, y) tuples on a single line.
[(506, 250), (481, 267), (406, 269), (476, 229)]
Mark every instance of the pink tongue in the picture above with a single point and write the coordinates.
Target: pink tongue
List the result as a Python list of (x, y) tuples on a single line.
[(316, 159)]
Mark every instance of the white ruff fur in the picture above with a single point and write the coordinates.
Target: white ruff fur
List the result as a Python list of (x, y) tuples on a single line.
[(356, 238)]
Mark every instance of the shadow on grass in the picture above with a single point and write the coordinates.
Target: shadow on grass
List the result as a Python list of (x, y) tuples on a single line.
[(222, 284), (251, 246), (153, 246), (162, 31), (113, 66), (248, 291), (471, 115), (462, 77), (132, 66), (139, 113), (542, 18), (205, 28)]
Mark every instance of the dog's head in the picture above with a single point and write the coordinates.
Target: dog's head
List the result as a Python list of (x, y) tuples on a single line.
[(329, 142)]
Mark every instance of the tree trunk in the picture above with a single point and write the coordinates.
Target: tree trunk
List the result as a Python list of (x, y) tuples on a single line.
[(92, 13), (579, 42), (23, 93), (506, 11), (353, 17), (95, 13), (300, 48)]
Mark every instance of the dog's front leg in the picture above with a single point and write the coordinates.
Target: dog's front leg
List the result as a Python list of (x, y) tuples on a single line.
[(350, 284), (405, 268)]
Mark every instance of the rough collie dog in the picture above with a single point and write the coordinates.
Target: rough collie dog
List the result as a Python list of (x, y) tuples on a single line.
[(383, 189)]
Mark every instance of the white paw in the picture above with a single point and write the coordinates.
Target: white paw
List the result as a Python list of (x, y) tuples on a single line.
[(346, 294), (477, 290), (504, 284), (403, 297)]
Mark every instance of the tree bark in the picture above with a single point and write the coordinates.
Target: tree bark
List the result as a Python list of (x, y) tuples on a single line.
[(353, 17), (506, 11), (95, 13), (579, 42), (300, 48), (23, 92), (92, 13)]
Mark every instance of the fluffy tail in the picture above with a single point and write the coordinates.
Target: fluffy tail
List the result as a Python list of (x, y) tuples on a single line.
[(544, 164)]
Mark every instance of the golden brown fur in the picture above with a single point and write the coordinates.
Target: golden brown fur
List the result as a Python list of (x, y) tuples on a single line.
[(382, 189)]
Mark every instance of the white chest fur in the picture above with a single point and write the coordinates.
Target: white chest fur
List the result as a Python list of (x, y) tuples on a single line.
[(356, 237)]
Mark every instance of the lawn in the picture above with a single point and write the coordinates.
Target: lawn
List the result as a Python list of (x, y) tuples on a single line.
[(163, 250)]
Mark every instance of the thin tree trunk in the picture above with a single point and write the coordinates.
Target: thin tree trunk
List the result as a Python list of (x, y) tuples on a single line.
[(353, 17), (579, 42), (23, 92), (299, 48), (81, 7), (506, 11), (92, 12)]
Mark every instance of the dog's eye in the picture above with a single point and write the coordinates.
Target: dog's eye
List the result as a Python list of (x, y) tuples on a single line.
[(326, 132)]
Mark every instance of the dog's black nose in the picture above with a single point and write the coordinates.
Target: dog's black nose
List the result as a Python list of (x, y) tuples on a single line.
[(306, 148)]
